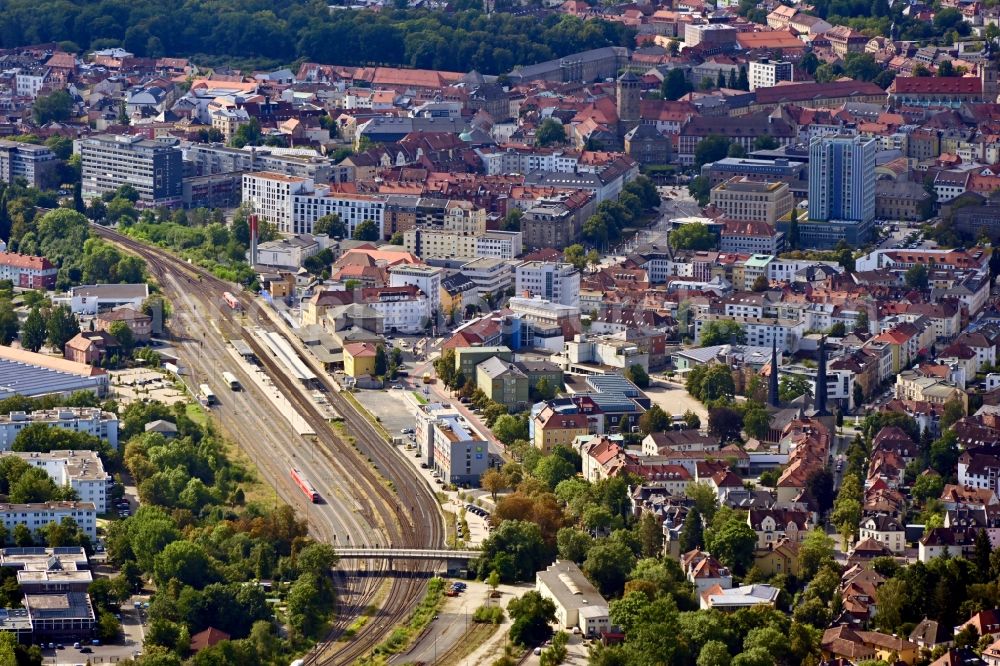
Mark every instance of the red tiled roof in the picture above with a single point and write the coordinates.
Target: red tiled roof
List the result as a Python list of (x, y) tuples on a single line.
[(937, 85), (15, 260)]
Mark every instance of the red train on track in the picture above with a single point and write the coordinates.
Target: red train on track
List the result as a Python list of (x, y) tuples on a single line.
[(231, 301), (304, 485)]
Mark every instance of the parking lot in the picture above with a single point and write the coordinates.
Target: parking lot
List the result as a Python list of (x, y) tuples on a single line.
[(390, 408), (144, 384)]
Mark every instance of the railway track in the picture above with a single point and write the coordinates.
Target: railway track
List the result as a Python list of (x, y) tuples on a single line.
[(401, 510)]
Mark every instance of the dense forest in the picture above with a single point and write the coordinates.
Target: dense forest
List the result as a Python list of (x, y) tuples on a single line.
[(281, 31)]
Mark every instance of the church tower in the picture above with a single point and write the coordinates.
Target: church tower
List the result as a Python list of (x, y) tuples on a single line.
[(988, 75), (772, 380), (628, 100)]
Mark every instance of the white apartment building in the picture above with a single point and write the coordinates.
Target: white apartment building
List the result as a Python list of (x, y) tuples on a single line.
[(425, 278), (555, 282), (28, 82), (272, 197), (89, 420), (760, 332), (293, 203), (442, 244), (37, 516), (500, 244), (403, 309), (767, 73), (83, 471), (514, 160)]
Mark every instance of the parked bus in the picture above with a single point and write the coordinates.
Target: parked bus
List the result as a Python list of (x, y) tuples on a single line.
[(304, 485), (207, 394), (230, 379), (231, 301)]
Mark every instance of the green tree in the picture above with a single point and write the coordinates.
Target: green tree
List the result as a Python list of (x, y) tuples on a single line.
[(366, 231), (552, 469), (608, 565), (653, 419), (792, 386), (731, 540), (725, 423), (756, 422), (714, 653), (710, 149), (675, 85), (916, 277), (8, 322), (509, 428), (576, 255), (550, 132), (61, 326), (927, 486), (736, 150), (953, 410), (515, 549), (33, 331), (381, 362), (693, 533), (765, 142), (57, 106), (722, 332), (512, 220), (815, 551), (123, 334), (637, 375), (573, 544), (247, 134), (532, 614), (330, 225), (793, 229), (706, 502), (694, 236), (700, 188)]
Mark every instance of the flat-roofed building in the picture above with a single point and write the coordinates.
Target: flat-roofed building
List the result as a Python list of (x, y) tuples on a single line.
[(577, 601), (89, 420), (46, 570), (555, 282), (752, 201), (450, 446), (83, 471), (35, 164), (36, 516), (89, 299), (293, 203), (29, 374), (152, 166), (60, 614), (765, 73)]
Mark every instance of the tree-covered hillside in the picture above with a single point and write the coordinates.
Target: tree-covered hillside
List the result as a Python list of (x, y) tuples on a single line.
[(281, 31)]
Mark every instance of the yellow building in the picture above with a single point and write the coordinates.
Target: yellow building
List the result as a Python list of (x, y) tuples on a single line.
[(783, 558), (553, 429), (752, 200), (359, 359)]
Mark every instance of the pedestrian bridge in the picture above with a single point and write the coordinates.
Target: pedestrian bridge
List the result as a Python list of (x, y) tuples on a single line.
[(406, 554), (454, 559)]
